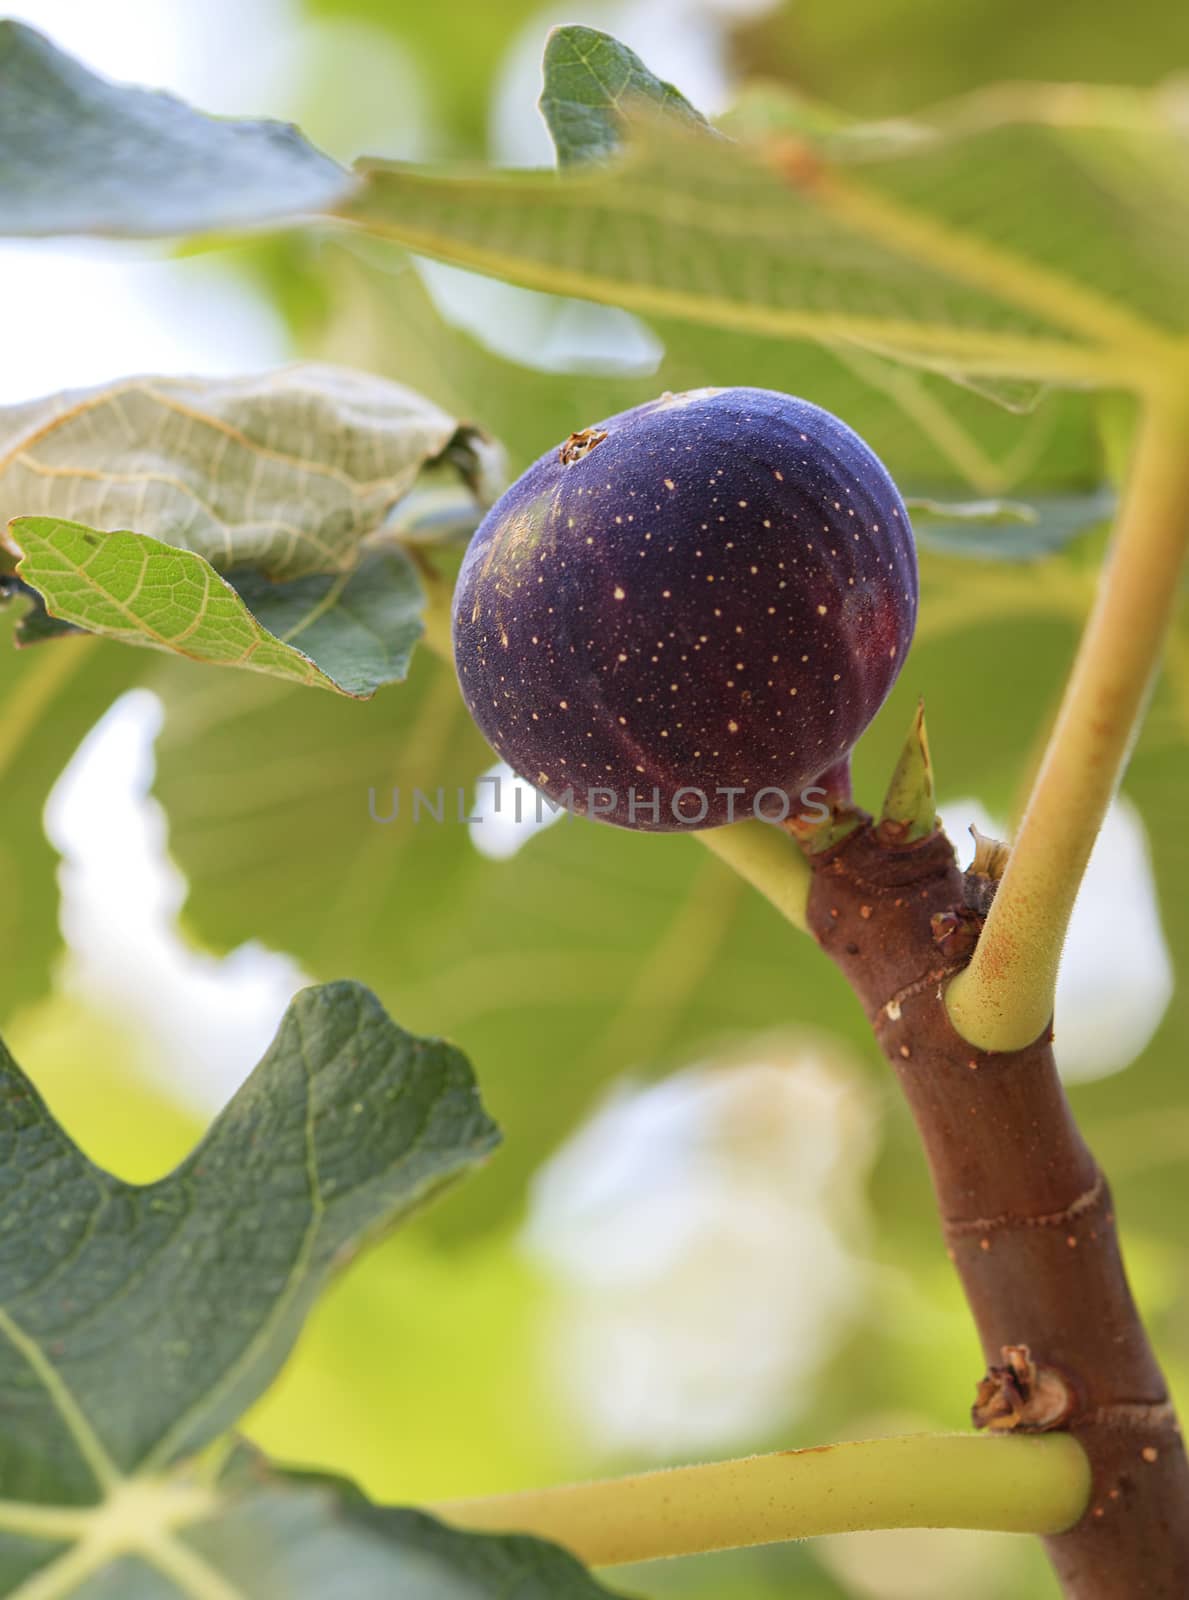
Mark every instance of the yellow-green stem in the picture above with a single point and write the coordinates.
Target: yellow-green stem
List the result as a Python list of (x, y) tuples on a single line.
[(1039, 1484), (764, 856), (1004, 999)]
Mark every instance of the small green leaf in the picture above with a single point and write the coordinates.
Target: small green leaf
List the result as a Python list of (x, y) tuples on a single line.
[(1008, 530), (254, 503), (349, 631), (79, 154), (591, 82), (909, 809)]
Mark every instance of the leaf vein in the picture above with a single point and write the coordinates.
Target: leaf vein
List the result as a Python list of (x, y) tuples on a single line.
[(75, 1420)]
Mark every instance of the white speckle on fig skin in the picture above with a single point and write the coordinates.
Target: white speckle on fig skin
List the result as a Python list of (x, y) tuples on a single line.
[(744, 622)]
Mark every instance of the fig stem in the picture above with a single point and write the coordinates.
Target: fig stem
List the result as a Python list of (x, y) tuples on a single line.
[(1034, 1484), (764, 856), (1004, 999)]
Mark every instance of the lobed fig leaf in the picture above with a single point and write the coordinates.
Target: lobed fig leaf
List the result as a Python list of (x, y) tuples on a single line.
[(138, 1322)]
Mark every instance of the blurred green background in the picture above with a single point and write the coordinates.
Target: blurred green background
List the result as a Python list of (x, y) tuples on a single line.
[(710, 1230)]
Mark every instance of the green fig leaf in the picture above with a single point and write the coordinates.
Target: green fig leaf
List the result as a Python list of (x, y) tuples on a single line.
[(81, 155)]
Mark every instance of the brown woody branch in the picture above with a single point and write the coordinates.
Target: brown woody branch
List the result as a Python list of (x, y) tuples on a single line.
[(1027, 1217)]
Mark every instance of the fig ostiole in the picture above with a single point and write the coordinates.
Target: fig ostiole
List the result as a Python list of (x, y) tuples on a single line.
[(688, 612)]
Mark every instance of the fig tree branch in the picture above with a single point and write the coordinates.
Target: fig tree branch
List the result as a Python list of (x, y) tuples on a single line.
[(1027, 1217), (1004, 998), (916, 1481)]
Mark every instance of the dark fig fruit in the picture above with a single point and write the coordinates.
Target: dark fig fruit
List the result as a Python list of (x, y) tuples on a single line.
[(687, 613)]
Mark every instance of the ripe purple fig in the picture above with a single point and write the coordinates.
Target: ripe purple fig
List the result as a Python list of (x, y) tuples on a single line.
[(687, 613)]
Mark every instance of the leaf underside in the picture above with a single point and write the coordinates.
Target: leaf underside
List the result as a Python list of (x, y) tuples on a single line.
[(235, 521), (135, 589), (81, 155), (1027, 235)]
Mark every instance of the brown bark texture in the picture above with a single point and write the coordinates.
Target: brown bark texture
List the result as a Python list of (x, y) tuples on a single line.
[(1026, 1214)]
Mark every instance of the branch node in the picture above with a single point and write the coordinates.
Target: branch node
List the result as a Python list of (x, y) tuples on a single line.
[(955, 932), (1087, 1201), (1022, 1396)]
